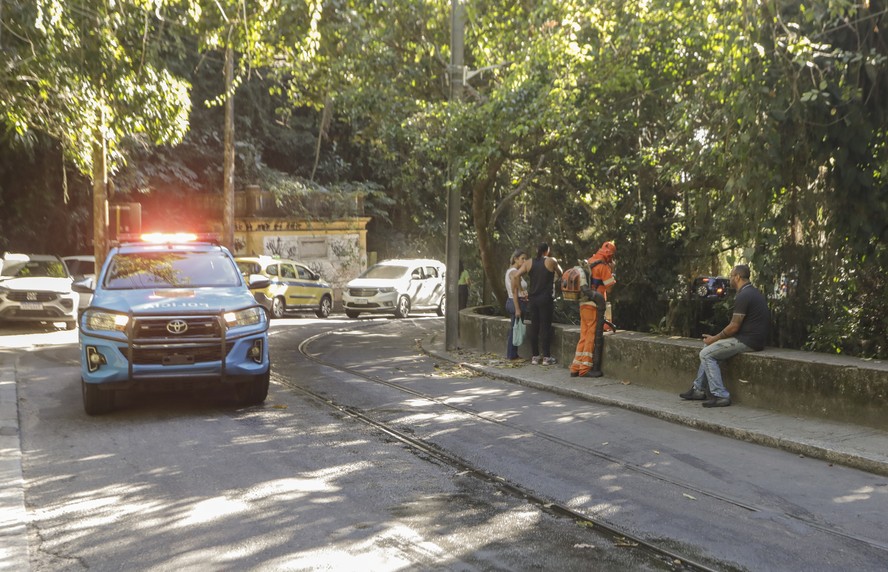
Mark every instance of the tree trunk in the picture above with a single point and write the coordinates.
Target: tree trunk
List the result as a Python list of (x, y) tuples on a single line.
[(481, 190)]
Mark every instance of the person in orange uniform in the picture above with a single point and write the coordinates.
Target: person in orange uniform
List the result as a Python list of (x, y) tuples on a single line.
[(587, 360)]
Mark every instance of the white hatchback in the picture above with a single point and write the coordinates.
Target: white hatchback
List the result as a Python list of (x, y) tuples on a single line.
[(397, 287)]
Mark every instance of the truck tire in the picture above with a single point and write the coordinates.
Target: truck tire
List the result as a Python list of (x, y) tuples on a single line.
[(95, 400), (253, 392)]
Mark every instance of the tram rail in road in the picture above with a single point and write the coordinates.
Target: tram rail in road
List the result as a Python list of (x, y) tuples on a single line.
[(619, 538), (665, 553)]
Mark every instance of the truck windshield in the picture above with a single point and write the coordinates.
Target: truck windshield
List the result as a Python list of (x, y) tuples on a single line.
[(194, 269)]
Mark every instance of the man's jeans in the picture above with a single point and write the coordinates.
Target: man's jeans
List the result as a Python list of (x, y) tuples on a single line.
[(709, 372)]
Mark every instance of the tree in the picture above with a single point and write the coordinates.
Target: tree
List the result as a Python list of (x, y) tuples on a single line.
[(91, 74)]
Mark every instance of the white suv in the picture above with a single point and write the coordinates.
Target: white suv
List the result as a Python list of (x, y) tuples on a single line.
[(36, 288), (397, 287)]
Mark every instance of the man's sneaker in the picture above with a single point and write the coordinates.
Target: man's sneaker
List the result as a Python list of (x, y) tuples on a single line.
[(549, 361), (535, 360), (717, 402), (574, 374), (693, 394)]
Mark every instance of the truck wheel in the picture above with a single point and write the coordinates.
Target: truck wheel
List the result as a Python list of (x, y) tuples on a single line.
[(95, 400), (253, 392), (325, 308), (403, 309)]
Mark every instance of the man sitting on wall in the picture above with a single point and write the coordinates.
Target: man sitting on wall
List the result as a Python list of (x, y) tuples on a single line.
[(747, 332)]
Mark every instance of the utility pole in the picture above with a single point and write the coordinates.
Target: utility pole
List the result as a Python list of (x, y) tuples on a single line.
[(100, 192), (457, 70), (228, 153)]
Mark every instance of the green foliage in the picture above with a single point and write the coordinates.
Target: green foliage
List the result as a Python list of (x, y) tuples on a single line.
[(695, 134), (35, 215), (86, 72)]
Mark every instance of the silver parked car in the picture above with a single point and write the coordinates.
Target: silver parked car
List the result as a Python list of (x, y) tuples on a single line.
[(37, 288), (397, 287)]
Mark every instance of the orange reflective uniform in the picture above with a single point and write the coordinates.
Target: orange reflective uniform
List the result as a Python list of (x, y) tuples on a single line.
[(602, 278)]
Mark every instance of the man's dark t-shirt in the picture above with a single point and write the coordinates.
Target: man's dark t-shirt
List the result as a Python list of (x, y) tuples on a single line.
[(754, 329)]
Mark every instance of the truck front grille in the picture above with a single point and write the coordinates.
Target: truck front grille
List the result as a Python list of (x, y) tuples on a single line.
[(161, 329), (179, 355)]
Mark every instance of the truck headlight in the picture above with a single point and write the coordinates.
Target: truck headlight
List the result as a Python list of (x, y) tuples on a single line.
[(105, 321), (248, 317)]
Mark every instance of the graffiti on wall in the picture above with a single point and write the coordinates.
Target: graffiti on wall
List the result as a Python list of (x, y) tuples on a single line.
[(338, 258)]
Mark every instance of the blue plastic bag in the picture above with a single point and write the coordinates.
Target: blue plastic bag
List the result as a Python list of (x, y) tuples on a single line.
[(518, 333)]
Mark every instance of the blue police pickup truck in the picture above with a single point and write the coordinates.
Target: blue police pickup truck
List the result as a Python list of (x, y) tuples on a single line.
[(171, 311)]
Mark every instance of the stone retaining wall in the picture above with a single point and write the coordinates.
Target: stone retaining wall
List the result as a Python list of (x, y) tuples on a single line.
[(804, 384)]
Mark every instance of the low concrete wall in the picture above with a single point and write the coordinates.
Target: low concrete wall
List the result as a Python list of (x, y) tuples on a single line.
[(804, 384)]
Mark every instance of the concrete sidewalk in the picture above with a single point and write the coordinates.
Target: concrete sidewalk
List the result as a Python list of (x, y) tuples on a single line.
[(845, 444), (13, 521)]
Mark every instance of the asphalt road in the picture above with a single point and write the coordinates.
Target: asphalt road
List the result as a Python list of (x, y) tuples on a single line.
[(181, 481), (729, 504), (194, 482)]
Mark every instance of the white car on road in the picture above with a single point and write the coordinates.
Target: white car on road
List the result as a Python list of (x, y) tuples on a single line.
[(397, 287), (37, 288)]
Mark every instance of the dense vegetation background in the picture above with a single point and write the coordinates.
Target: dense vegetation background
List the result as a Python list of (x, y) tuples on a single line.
[(694, 133)]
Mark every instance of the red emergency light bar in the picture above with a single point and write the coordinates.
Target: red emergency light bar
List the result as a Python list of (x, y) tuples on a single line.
[(169, 238)]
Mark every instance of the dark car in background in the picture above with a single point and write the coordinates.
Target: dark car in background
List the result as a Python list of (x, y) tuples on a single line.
[(711, 287)]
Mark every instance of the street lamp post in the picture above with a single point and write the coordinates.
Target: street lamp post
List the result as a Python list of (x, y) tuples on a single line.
[(457, 71)]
